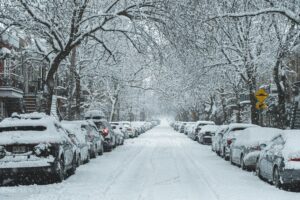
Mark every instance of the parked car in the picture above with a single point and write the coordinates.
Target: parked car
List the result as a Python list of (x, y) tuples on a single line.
[(122, 128), (245, 149), (189, 127), (76, 149), (217, 138), (98, 117), (130, 130), (229, 135), (81, 140), (35, 145), (119, 134), (108, 134), (206, 133), (279, 161), (199, 124), (139, 126), (182, 127), (96, 143)]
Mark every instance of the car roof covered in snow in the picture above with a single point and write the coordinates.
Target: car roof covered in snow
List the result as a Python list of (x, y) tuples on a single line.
[(31, 130), (94, 113), (254, 136), (241, 125), (211, 128), (29, 120), (205, 122)]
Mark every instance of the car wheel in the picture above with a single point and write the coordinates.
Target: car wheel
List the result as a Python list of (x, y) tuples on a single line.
[(222, 153), (79, 161), (257, 170), (242, 163), (88, 158), (101, 150), (230, 158), (59, 170), (277, 179), (73, 168)]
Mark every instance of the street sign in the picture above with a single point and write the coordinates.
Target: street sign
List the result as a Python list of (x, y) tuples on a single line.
[(261, 106), (261, 95)]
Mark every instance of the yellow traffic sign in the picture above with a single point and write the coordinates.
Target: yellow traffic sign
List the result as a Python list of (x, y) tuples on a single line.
[(261, 95), (261, 106)]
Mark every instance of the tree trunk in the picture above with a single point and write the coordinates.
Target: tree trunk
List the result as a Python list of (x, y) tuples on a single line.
[(49, 90), (77, 95), (70, 114), (254, 113), (281, 117)]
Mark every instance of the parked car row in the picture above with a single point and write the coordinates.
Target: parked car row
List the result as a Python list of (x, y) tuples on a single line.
[(273, 153), (37, 146)]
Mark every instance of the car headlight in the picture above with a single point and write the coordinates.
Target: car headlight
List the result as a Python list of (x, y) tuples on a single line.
[(2, 152)]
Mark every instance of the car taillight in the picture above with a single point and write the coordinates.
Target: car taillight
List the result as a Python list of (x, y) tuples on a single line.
[(294, 159), (229, 141), (105, 132)]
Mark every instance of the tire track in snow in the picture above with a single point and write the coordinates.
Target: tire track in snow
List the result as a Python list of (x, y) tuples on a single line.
[(197, 169)]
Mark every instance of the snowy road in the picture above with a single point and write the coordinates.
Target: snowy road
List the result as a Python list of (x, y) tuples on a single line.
[(161, 164)]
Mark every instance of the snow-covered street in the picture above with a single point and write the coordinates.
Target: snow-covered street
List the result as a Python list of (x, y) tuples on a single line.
[(161, 164)]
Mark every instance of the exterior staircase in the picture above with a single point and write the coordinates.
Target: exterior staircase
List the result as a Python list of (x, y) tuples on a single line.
[(30, 103), (54, 107)]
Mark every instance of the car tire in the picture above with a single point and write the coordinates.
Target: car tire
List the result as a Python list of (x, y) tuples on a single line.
[(59, 170), (242, 163), (88, 158), (79, 160), (276, 179), (101, 150), (257, 170), (230, 159), (72, 170)]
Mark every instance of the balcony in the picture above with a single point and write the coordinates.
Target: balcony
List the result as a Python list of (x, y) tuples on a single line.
[(11, 85)]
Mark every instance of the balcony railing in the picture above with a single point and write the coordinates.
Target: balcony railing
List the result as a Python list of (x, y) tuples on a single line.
[(11, 80)]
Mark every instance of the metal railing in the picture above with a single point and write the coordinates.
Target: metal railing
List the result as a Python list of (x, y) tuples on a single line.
[(11, 80)]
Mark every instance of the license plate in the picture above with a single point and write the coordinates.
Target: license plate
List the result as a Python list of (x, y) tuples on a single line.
[(19, 149)]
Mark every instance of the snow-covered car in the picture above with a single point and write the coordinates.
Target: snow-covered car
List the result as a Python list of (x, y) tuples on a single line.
[(245, 149), (279, 161), (32, 145), (182, 127), (119, 134), (76, 146), (206, 133), (90, 130), (130, 130), (107, 133), (139, 126), (217, 138), (199, 124), (81, 140), (229, 135), (189, 127), (122, 128)]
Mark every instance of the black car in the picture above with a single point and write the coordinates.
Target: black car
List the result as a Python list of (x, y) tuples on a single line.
[(279, 162), (37, 147)]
